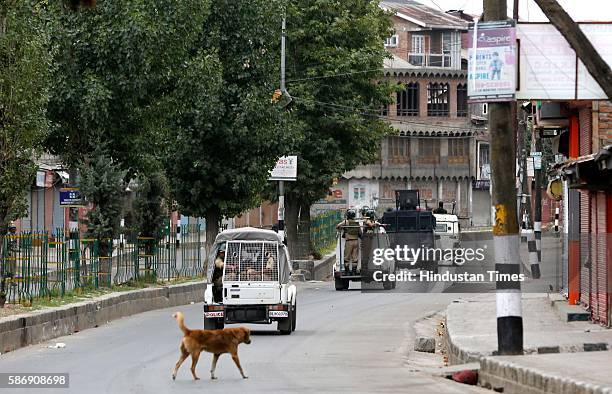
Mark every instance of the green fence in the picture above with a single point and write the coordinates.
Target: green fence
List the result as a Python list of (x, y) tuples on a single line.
[(323, 229), (38, 264)]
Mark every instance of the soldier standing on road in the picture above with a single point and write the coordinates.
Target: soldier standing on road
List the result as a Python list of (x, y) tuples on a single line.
[(351, 232)]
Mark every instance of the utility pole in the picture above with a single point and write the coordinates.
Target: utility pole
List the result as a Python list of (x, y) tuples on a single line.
[(537, 220), (281, 184), (506, 240)]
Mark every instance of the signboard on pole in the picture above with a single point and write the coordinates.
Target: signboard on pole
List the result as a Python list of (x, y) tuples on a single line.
[(71, 197), (285, 170), (492, 61)]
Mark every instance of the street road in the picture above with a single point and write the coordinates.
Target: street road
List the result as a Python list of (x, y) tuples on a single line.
[(344, 342)]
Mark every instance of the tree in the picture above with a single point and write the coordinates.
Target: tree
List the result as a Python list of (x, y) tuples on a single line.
[(335, 55), (579, 42), (223, 140), (102, 182), (24, 92), (114, 64)]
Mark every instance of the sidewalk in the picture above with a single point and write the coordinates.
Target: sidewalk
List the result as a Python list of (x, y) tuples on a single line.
[(557, 354)]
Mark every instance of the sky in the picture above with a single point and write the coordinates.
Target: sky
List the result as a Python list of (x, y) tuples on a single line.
[(579, 10)]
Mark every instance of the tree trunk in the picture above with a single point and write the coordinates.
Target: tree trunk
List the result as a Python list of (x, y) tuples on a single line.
[(213, 217), (292, 209), (598, 68), (303, 232)]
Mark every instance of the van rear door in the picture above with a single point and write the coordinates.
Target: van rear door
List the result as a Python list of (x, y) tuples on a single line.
[(250, 273)]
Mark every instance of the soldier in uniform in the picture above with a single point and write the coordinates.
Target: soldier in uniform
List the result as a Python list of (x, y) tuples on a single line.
[(370, 222), (351, 232), (217, 278), (440, 209)]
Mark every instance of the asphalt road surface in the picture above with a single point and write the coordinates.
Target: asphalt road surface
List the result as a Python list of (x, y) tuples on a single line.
[(344, 342)]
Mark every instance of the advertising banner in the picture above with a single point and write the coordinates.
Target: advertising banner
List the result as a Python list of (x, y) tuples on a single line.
[(492, 61)]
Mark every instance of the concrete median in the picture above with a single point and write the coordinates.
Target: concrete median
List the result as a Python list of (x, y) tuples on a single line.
[(39, 326)]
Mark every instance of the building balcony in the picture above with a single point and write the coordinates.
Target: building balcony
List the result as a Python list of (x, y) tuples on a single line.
[(443, 60)]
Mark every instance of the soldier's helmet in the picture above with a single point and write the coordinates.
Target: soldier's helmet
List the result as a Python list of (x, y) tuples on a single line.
[(370, 213), (12, 228), (351, 214)]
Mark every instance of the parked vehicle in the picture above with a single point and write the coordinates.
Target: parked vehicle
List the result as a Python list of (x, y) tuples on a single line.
[(447, 233), (371, 239), (256, 281)]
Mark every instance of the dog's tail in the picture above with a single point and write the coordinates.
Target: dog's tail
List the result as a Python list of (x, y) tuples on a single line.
[(181, 322)]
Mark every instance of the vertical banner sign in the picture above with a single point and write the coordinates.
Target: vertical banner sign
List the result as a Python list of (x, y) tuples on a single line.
[(492, 61)]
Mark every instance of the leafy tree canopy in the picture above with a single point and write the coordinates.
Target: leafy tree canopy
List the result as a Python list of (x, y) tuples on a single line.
[(24, 92), (326, 39)]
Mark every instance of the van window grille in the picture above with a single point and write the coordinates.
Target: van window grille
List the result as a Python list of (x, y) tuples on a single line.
[(251, 261)]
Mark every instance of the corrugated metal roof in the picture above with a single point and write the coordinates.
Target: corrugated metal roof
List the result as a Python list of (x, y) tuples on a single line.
[(423, 15)]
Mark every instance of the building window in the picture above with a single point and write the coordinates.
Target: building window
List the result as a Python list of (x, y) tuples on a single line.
[(485, 108), (429, 150), (458, 150), (417, 51), (462, 100), (484, 161), (437, 99), (392, 41), (398, 151), (408, 100)]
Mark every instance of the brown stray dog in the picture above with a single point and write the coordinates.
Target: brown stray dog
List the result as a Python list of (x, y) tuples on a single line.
[(216, 342)]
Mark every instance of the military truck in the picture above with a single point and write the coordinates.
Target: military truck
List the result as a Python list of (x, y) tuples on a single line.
[(410, 225)]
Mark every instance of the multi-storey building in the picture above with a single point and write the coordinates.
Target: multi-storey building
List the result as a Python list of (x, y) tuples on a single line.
[(440, 142)]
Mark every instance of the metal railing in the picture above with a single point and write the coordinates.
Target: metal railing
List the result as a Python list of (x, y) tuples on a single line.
[(323, 229), (39, 264)]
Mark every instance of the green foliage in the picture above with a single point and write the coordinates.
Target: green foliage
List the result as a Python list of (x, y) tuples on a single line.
[(223, 140), (103, 186), (24, 82), (150, 208), (115, 64), (330, 37)]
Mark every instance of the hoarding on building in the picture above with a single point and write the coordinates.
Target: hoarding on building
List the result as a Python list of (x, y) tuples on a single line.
[(492, 61), (549, 68)]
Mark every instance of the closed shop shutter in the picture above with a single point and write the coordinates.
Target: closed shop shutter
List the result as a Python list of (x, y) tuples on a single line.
[(585, 277), (601, 307)]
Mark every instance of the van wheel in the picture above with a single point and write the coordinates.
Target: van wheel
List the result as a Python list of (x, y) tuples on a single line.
[(347, 283), (339, 284), (284, 326), (294, 316), (388, 284), (220, 324)]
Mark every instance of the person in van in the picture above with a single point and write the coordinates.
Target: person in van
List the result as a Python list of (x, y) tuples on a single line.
[(440, 209), (217, 278)]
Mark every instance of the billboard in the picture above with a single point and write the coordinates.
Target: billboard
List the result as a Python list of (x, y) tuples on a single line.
[(492, 61), (549, 68), (285, 169)]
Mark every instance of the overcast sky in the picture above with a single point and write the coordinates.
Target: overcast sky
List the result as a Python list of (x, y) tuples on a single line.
[(580, 10)]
